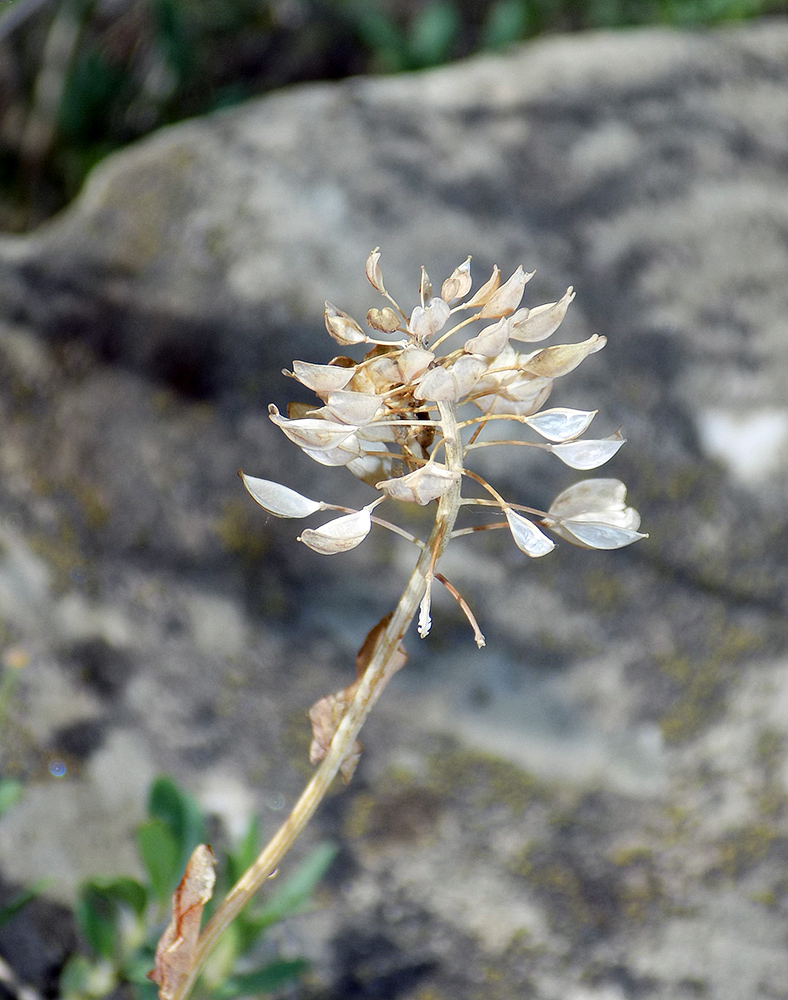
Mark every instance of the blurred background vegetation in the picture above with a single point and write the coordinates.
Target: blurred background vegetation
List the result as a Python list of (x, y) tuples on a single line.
[(81, 78)]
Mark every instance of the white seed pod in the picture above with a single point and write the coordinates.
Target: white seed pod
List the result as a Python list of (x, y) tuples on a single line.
[(552, 362), (340, 535), (357, 408), (561, 423), (413, 362), (587, 455), (343, 454), (372, 466), (425, 286), (521, 396), (527, 537), (491, 341), (385, 320), (373, 272), (322, 379), (425, 484), (311, 432), (595, 495), (279, 500), (427, 320), (506, 299), (453, 382), (541, 322), (596, 534), (342, 327), (488, 288), (458, 284)]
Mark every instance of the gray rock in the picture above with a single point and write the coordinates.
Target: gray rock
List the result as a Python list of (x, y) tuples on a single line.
[(594, 807)]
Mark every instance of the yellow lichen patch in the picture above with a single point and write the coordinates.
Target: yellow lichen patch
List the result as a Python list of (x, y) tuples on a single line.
[(743, 849), (701, 683), (486, 778)]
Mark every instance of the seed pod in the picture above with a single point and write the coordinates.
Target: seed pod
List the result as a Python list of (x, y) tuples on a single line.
[(343, 328), (507, 298), (373, 272), (385, 320), (340, 535), (458, 284), (425, 484), (541, 322)]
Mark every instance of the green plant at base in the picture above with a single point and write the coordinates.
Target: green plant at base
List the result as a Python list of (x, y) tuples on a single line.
[(120, 918)]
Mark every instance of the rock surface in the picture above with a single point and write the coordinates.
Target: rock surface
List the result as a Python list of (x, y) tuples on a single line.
[(592, 808)]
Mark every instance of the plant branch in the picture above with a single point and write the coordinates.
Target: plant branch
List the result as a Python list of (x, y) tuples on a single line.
[(369, 690)]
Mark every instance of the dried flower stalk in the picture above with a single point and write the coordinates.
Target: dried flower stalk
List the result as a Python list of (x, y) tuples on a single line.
[(404, 420)]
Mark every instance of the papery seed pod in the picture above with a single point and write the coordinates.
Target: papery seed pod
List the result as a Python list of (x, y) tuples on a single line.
[(458, 284), (279, 500), (593, 514), (372, 466), (429, 319), (343, 454), (519, 396), (425, 484), (414, 361), (386, 320), (453, 382), (340, 535), (552, 362), (506, 299), (561, 423), (488, 288), (527, 537), (491, 341), (425, 287), (587, 455), (357, 408), (373, 272), (322, 379), (541, 322), (343, 328), (311, 432)]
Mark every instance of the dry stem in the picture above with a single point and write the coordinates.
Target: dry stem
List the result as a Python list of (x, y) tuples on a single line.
[(368, 692)]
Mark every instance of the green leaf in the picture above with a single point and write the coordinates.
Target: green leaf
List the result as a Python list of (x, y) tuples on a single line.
[(10, 793), (433, 33), (295, 892), (160, 857), (506, 23), (180, 813), (96, 917), (126, 891), (265, 979), (10, 910)]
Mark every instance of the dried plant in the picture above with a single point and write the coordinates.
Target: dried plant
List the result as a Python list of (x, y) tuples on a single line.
[(405, 419)]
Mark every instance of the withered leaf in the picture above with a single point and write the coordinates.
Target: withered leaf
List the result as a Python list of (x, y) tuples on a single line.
[(175, 951), (327, 713)]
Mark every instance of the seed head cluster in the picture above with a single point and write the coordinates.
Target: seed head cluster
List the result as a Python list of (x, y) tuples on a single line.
[(406, 417)]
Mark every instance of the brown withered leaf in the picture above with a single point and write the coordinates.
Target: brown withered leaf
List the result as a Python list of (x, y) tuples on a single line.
[(175, 950), (327, 713)]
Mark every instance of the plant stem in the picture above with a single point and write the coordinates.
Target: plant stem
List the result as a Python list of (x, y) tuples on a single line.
[(369, 690)]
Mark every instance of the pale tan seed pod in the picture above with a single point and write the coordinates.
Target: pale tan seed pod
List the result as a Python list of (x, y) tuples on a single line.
[(552, 362), (343, 328), (322, 379), (425, 287), (506, 299), (373, 272), (491, 341), (311, 432), (340, 535), (458, 284), (413, 362), (425, 484), (488, 288), (541, 322), (386, 320)]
